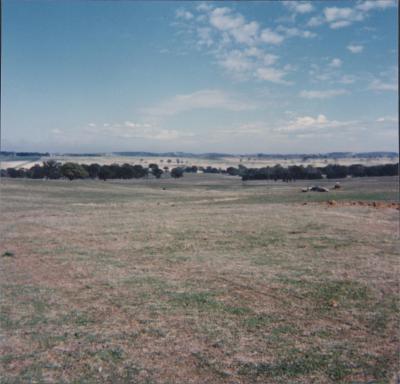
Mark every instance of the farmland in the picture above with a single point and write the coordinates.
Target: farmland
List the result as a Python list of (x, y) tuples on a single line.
[(250, 161), (202, 279)]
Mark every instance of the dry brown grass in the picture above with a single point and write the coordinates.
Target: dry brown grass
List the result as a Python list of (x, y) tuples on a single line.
[(209, 280)]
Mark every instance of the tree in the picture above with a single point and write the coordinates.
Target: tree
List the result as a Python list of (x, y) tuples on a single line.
[(192, 169), (14, 173), (177, 173), (115, 171), (297, 172), (105, 172), (126, 171), (52, 169), (94, 170), (139, 171), (312, 173), (157, 172), (232, 171), (36, 172), (357, 170), (73, 171), (335, 171)]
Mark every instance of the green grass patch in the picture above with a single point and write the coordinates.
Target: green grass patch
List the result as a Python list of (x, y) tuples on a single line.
[(199, 300), (77, 318), (325, 293), (260, 321), (297, 363), (113, 355), (205, 301), (8, 254), (344, 292)]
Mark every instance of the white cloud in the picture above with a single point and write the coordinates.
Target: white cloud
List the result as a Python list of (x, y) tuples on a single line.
[(269, 59), (308, 121), (379, 85), (204, 7), (204, 99), (299, 6), (340, 17), (247, 33), (132, 130), (315, 21), (340, 24), (272, 74), (353, 48), (270, 37), (183, 14), (296, 32), (239, 45), (205, 37), (375, 4), (326, 94), (335, 14), (309, 124), (388, 119), (222, 19), (130, 124), (387, 80), (251, 62), (336, 63), (236, 61), (347, 79)]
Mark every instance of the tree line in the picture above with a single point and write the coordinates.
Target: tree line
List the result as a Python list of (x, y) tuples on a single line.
[(52, 169), (299, 172)]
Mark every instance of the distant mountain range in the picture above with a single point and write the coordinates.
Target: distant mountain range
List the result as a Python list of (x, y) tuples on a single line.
[(211, 155)]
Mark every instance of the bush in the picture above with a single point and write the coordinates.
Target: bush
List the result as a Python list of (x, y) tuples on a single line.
[(177, 172)]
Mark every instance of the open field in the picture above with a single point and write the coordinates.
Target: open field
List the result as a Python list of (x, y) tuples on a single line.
[(223, 162), (204, 279)]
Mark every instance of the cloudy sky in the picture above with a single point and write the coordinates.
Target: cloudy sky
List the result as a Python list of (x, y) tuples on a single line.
[(239, 77)]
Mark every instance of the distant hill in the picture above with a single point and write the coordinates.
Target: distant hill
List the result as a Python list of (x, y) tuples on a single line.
[(216, 155), (209, 155), (23, 154)]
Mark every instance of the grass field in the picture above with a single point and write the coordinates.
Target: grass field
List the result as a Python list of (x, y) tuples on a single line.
[(200, 280)]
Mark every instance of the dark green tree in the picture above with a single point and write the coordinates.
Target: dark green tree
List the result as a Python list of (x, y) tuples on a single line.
[(52, 169), (36, 172), (74, 171), (177, 172), (94, 170)]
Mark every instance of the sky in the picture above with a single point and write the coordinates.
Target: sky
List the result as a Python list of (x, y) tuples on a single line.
[(232, 77)]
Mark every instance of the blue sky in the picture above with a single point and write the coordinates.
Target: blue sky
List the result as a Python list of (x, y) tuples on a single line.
[(240, 77)]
